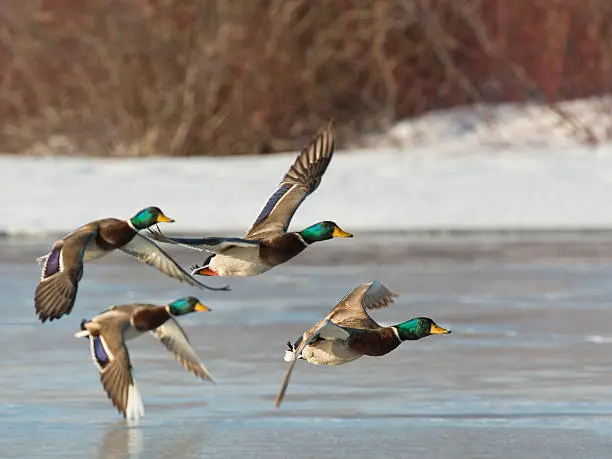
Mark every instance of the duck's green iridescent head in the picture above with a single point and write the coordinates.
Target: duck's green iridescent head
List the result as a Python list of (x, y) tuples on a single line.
[(149, 217), (418, 328), (186, 305), (322, 231)]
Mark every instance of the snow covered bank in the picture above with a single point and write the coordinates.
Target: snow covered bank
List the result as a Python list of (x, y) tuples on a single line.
[(566, 124), (519, 167), (387, 189)]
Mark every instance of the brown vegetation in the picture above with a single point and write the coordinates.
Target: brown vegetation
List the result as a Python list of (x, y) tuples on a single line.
[(219, 77)]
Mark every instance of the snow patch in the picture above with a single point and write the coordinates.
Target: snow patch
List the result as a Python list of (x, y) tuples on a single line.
[(456, 178)]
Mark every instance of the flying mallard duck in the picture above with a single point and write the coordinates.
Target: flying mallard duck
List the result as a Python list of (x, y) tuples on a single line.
[(348, 332), (109, 331), (62, 268), (268, 244)]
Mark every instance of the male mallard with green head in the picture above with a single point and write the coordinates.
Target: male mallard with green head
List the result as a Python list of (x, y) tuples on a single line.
[(109, 331), (348, 332), (268, 244), (62, 267)]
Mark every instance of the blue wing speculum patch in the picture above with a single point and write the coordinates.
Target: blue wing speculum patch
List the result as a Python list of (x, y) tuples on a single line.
[(52, 264), (278, 194), (98, 351)]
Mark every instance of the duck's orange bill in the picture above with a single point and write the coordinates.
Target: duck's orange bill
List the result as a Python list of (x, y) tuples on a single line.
[(201, 308), (206, 272), (437, 330), (161, 218), (340, 233)]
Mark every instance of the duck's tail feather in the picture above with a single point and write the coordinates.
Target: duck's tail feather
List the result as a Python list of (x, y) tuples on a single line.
[(135, 408)]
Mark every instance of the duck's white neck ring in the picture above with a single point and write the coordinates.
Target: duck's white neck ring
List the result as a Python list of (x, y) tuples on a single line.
[(396, 333), (302, 240), (131, 225)]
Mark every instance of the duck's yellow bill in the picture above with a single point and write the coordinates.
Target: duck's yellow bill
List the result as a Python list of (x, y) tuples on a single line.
[(201, 308), (437, 330), (340, 233), (161, 218)]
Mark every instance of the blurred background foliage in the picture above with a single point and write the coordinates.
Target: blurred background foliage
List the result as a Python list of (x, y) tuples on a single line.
[(221, 77)]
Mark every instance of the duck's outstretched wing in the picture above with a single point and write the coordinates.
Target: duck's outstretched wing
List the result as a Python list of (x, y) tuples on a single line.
[(111, 357), (172, 335), (204, 244), (323, 330), (303, 177), (147, 251), (62, 269), (351, 310)]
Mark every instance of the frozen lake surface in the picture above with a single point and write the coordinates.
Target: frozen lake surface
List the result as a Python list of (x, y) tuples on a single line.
[(525, 374)]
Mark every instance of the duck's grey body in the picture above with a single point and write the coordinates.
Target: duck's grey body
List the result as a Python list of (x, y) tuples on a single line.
[(267, 243), (247, 263), (329, 352)]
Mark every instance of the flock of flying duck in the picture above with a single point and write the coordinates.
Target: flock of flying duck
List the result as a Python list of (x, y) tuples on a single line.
[(345, 334)]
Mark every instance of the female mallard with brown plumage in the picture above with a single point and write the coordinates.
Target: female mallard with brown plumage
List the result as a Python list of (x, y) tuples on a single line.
[(348, 332), (63, 266), (268, 244), (109, 331)]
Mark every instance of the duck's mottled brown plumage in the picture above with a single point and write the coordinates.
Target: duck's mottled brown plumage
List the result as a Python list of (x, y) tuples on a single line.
[(63, 265), (56, 293), (109, 352)]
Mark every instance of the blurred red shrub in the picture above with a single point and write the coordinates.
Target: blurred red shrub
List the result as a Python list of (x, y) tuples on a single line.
[(189, 77)]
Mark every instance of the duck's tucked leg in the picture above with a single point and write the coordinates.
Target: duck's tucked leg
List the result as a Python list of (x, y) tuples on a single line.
[(205, 271), (204, 268), (290, 352)]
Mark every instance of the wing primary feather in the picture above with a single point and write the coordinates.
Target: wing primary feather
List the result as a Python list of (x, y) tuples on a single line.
[(205, 244), (281, 393), (148, 252), (302, 179), (377, 296), (326, 330), (172, 335), (272, 202), (61, 272)]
